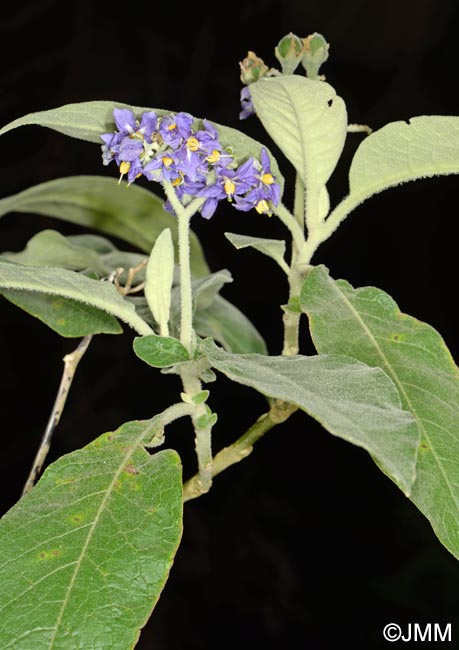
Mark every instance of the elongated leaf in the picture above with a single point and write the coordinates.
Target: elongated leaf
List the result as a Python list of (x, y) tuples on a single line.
[(68, 318), (85, 555), (424, 146), (88, 120), (351, 400), (274, 248), (130, 213), (68, 284), (308, 122), (159, 278), (50, 248), (160, 351), (367, 324)]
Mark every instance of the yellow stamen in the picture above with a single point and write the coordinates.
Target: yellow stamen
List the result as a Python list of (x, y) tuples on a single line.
[(167, 161), (267, 179), (193, 143), (262, 207), (172, 126), (230, 187), (214, 156), (177, 181), (124, 168)]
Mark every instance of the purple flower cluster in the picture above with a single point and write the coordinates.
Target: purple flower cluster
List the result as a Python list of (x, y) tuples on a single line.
[(168, 148)]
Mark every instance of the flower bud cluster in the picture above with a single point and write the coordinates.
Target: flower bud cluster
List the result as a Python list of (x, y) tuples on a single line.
[(169, 148)]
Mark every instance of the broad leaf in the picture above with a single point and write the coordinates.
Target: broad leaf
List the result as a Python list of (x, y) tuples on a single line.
[(68, 284), (274, 248), (160, 351), (88, 120), (85, 555), (351, 400), (130, 213), (399, 152), (68, 318), (308, 122), (367, 324)]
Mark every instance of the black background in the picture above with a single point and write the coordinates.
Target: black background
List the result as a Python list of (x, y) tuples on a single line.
[(305, 544)]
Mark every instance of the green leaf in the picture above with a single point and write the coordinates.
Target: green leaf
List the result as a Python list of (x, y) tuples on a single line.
[(68, 318), (274, 248), (367, 324), (89, 120), (229, 326), (400, 152), (50, 248), (159, 278), (308, 122), (351, 400), (160, 351), (130, 213), (68, 284), (86, 553), (206, 289)]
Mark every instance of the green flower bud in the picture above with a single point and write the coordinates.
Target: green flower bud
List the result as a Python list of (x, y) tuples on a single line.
[(252, 68), (315, 49), (289, 52)]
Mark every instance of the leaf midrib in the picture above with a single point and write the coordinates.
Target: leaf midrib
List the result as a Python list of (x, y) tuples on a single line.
[(397, 382), (134, 446)]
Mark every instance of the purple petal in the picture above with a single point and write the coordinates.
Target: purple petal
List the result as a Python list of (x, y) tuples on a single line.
[(124, 120)]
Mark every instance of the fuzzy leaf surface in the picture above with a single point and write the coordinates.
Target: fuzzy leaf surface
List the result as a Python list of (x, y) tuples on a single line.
[(307, 120), (367, 324), (68, 284), (399, 152), (351, 400)]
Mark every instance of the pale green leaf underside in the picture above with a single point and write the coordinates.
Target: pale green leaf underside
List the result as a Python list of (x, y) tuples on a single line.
[(351, 400), (88, 120), (130, 213), (68, 284), (67, 317), (400, 152), (274, 248), (307, 120), (366, 324), (159, 277), (85, 555)]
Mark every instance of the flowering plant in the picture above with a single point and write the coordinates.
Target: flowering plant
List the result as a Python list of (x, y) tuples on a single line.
[(380, 380)]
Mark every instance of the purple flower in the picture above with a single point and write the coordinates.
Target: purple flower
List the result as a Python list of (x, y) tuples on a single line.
[(161, 168), (124, 120), (246, 104), (194, 162), (176, 128)]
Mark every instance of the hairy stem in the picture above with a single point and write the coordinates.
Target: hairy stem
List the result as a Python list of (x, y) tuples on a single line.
[(292, 224), (203, 434), (242, 447), (186, 302), (71, 362)]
